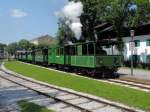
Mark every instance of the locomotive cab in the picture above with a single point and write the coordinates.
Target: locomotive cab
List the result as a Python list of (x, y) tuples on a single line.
[(108, 55)]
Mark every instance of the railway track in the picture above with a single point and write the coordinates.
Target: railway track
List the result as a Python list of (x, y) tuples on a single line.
[(81, 102), (144, 86), (132, 83), (136, 80)]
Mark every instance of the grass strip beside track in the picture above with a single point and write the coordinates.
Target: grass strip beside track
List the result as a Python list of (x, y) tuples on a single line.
[(31, 107), (112, 92)]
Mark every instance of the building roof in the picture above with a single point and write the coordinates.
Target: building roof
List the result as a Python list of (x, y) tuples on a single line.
[(42, 37), (44, 40), (108, 32)]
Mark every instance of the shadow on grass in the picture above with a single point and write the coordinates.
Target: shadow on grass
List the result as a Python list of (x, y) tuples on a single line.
[(31, 107)]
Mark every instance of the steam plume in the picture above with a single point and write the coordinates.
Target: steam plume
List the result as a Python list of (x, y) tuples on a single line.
[(71, 13)]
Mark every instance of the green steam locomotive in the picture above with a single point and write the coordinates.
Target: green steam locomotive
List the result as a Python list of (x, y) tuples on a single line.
[(91, 58)]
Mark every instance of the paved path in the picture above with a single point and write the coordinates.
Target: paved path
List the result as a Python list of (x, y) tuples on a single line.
[(11, 93), (137, 73)]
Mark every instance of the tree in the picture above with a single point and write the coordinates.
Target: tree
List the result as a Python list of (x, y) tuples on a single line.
[(32, 46), (60, 35), (21, 45), (139, 13), (64, 33), (12, 48), (124, 13), (2, 45), (119, 13), (88, 18), (24, 44)]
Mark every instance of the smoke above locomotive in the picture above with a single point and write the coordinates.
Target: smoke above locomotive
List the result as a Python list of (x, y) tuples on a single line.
[(71, 13)]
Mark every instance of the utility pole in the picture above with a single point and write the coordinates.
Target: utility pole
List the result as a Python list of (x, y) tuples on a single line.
[(132, 46)]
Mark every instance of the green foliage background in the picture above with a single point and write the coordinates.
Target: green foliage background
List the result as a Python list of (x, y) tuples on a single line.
[(119, 13)]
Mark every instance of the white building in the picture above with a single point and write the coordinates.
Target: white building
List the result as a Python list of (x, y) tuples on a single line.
[(35, 41), (141, 50)]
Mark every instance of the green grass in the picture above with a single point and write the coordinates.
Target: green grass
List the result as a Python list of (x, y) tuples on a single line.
[(125, 95), (31, 107)]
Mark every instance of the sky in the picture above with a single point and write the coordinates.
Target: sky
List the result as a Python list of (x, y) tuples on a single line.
[(28, 19)]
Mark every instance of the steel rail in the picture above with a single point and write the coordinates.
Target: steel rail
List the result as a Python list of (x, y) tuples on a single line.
[(135, 81), (130, 83), (47, 95)]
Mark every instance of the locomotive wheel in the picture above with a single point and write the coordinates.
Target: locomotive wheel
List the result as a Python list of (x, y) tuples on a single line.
[(93, 73)]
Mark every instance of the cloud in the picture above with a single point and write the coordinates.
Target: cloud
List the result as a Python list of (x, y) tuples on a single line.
[(17, 13)]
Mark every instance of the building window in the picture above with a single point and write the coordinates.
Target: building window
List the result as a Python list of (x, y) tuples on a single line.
[(148, 42), (136, 58), (137, 43), (108, 46), (148, 59)]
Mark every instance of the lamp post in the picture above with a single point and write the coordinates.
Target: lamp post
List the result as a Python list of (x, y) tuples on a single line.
[(132, 46)]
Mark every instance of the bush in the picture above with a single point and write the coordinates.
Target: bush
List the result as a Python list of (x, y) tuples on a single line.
[(137, 65)]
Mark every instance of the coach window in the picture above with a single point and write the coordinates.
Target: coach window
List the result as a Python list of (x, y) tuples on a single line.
[(75, 50), (67, 50), (33, 53), (99, 49), (72, 50), (84, 49), (61, 51), (39, 52), (49, 51), (91, 48), (79, 50), (57, 51), (45, 51)]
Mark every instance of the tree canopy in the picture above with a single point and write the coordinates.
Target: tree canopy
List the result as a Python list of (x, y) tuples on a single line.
[(64, 33), (12, 48), (124, 13), (2, 45), (119, 13), (21, 45), (88, 18)]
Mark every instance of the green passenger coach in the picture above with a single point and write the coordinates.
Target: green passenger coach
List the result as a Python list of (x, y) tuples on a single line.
[(41, 56), (56, 55)]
